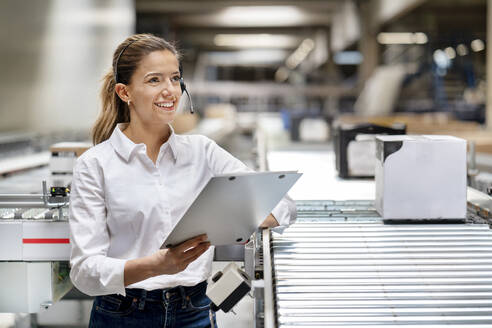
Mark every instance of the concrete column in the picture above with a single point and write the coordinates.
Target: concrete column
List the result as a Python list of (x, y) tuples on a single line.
[(368, 45), (53, 55), (488, 115)]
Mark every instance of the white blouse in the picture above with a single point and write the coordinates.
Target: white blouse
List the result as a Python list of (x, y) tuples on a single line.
[(123, 206)]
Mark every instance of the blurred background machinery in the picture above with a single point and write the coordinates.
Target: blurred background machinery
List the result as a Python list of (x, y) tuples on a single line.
[(277, 83)]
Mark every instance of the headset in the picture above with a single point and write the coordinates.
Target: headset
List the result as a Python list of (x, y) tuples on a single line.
[(182, 83)]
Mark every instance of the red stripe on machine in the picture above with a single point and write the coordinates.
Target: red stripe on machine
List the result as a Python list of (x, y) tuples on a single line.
[(46, 241)]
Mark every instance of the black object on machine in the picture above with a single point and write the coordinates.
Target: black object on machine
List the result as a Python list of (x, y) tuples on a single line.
[(59, 191), (228, 287), (355, 147)]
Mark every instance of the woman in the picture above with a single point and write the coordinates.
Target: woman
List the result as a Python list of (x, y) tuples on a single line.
[(133, 186)]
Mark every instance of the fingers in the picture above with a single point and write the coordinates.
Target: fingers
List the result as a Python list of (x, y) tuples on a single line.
[(183, 259), (191, 243), (194, 257), (187, 252), (199, 250)]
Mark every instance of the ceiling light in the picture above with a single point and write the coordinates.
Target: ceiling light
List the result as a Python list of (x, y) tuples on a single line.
[(449, 51), (247, 57), (307, 45), (281, 74), (300, 54), (256, 40), (420, 38), (477, 45), (402, 38), (348, 58), (262, 15), (441, 59), (462, 50)]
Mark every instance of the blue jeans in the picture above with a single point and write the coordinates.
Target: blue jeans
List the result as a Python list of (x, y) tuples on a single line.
[(184, 307)]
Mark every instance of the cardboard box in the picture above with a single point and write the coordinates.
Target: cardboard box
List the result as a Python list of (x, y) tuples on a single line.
[(420, 177)]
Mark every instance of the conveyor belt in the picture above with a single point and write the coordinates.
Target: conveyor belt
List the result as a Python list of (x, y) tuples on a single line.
[(341, 266)]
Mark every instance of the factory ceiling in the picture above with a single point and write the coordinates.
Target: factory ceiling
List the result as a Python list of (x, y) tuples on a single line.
[(280, 26), (197, 23)]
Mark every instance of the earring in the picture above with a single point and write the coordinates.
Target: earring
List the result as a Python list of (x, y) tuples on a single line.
[(128, 102)]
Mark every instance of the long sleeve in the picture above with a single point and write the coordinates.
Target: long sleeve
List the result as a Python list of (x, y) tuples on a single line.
[(285, 212), (221, 162), (92, 271)]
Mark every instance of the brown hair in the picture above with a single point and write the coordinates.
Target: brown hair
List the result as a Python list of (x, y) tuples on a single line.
[(126, 58)]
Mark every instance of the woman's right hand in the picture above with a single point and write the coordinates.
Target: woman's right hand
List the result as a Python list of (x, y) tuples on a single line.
[(165, 261), (177, 259)]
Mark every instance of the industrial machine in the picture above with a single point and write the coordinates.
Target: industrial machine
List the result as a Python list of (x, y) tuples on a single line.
[(34, 250), (342, 265), (228, 287), (35, 238), (355, 147)]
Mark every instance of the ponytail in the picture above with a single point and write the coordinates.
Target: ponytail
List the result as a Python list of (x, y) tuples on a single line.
[(113, 111)]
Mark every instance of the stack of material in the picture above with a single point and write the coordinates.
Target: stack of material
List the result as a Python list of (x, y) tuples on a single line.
[(431, 123)]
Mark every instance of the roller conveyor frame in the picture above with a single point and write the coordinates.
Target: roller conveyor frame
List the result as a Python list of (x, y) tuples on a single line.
[(341, 265)]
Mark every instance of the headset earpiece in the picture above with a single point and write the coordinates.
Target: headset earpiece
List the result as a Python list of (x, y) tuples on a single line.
[(182, 84)]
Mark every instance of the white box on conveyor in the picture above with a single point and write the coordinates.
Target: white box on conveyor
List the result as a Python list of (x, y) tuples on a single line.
[(421, 177)]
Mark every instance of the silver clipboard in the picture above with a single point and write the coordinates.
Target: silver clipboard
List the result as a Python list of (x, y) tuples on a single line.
[(231, 207)]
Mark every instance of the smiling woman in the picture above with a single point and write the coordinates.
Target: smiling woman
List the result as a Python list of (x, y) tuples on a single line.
[(131, 189), (152, 96), (142, 65)]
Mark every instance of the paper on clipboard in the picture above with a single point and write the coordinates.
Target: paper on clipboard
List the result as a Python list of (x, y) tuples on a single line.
[(231, 207)]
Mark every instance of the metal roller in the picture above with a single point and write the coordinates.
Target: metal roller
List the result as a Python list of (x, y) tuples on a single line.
[(405, 281), (340, 265)]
